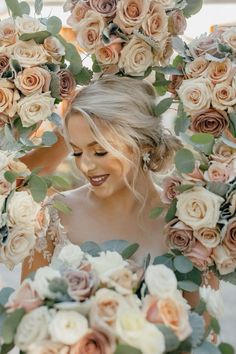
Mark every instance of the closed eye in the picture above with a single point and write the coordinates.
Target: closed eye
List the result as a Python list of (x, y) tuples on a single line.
[(101, 153), (77, 154)]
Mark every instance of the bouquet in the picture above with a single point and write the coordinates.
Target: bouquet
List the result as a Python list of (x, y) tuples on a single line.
[(100, 303)]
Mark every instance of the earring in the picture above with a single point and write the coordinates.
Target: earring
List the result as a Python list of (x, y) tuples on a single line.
[(146, 160)]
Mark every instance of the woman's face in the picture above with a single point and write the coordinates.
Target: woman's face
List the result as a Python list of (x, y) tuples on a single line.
[(104, 171)]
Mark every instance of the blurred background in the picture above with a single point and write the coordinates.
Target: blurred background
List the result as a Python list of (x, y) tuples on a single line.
[(213, 13)]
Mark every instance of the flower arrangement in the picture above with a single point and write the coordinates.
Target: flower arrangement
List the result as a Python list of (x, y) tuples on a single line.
[(129, 37), (84, 303)]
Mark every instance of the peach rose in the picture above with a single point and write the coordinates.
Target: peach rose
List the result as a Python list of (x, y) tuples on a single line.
[(223, 96), (89, 31), (136, 57), (92, 342), (8, 33), (25, 297), (223, 153), (77, 14), (200, 255), (170, 191), (155, 24), (33, 80), (219, 71), (177, 23), (106, 8), (197, 67), (8, 98), (4, 63), (179, 236), (209, 237), (29, 54), (229, 235), (54, 48), (210, 120), (225, 261), (130, 14), (165, 52), (203, 45), (28, 24), (219, 172), (229, 37), (109, 55), (67, 84), (48, 347)]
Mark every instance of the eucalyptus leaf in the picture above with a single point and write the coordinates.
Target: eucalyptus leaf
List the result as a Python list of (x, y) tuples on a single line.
[(84, 76), (10, 325), (38, 37), (56, 119), (4, 295), (75, 67), (10, 176), (129, 251), (206, 348), (167, 70), (14, 7), (170, 215), (182, 264), (184, 187), (193, 7), (171, 340), (49, 138), (58, 285), (156, 212), (71, 53), (115, 245), (38, 188), (201, 307), (6, 348), (25, 8), (38, 6), (184, 161), (181, 124), (178, 61), (218, 188), (126, 349), (214, 324), (146, 261), (60, 182), (54, 25), (96, 67), (163, 106), (203, 141), (187, 285), (55, 86), (91, 247), (197, 324), (167, 260), (226, 348), (232, 119), (64, 208)]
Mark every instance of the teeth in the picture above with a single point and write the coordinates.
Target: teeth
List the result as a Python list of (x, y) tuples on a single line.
[(98, 179)]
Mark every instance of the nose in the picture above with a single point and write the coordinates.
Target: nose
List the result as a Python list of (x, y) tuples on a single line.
[(86, 164)]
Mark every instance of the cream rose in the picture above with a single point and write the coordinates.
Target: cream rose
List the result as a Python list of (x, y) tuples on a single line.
[(28, 24), (109, 55), (77, 14), (195, 94), (89, 31), (197, 67), (224, 96), (67, 327), (8, 33), (219, 172), (155, 24), (209, 237), (177, 23), (223, 153), (225, 262), (33, 80), (160, 280), (165, 51), (33, 328), (219, 71), (199, 208), (20, 242), (29, 54), (136, 57), (72, 256), (229, 37), (54, 48), (8, 97), (42, 279), (48, 347), (130, 14), (35, 108), (213, 299)]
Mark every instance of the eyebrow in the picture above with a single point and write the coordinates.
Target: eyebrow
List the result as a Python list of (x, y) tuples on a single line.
[(89, 145)]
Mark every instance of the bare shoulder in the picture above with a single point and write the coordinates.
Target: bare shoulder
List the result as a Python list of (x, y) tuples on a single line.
[(72, 196)]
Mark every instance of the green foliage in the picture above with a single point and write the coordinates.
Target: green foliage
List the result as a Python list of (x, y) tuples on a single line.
[(6, 348), (203, 142), (91, 247), (184, 161), (49, 138), (55, 86), (156, 212), (58, 285), (60, 182), (38, 188), (193, 7), (198, 329), (25, 8), (214, 324), (226, 348), (10, 176), (38, 6), (96, 67), (166, 259), (4, 295), (129, 251), (10, 325), (170, 215), (182, 264), (181, 122), (15, 65), (218, 188), (163, 106), (206, 348), (167, 70), (38, 37), (171, 340), (232, 123), (161, 84), (54, 25), (115, 245), (56, 119), (201, 307), (188, 285), (62, 207), (84, 76), (14, 7), (125, 349)]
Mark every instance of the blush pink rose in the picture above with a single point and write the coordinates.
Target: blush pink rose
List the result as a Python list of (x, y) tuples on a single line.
[(169, 186), (200, 255), (219, 172)]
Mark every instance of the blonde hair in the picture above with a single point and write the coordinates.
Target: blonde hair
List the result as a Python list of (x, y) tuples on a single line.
[(126, 106)]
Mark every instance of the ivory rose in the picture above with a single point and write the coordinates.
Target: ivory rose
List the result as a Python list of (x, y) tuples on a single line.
[(72, 256), (209, 237), (29, 54), (42, 279), (54, 48), (35, 108), (67, 84), (106, 8), (213, 299), (229, 235), (8, 33), (200, 255), (32, 328), (223, 153), (123, 281), (8, 98), (223, 96), (229, 37), (155, 24), (195, 94), (4, 63), (92, 342), (197, 67), (89, 31), (219, 71), (219, 172), (179, 236), (130, 14), (67, 327), (177, 23), (48, 347), (28, 24), (199, 208), (165, 51), (33, 80), (136, 57), (225, 261), (160, 281), (77, 14), (210, 120), (169, 186)]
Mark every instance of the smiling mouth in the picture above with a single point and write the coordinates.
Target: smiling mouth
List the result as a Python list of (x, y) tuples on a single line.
[(98, 180)]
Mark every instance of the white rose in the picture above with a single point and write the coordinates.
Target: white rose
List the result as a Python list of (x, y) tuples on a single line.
[(155, 24), (54, 48), (214, 301), (21, 240), (135, 330), (8, 33), (106, 263), (160, 280), (28, 24), (22, 209), (136, 57), (71, 255), (32, 328), (35, 108), (195, 94), (199, 208), (68, 327), (29, 53), (229, 36), (42, 279), (168, 4)]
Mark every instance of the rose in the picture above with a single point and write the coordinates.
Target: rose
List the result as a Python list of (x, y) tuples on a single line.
[(8, 33), (28, 24), (106, 8), (18, 167), (168, 4), (196, 175), (33, 328), (25, 297), (165, 51), (198, 208), (20, 242), (219, 172), (155, 24), (77, 14), (223, 96), (195, 94), (213, 300), (54, 48), (33, 80), (42, 280), (197, 67), (35, 108), (229, 235), (219, 71), (89, 31), (123, 281), (225, 261), (4, 63), (177, 23), (8, 97), (179, 236), (47, 347), (70, 4), (2, 203), (109, 54), (135, 57), (169, 186), (210, 121), (209, 237), (229, 37), (42, 222), (133, 329), (160, 280), (81, 284), (130, 14), (67, 84), (223, 153), (29, 54), (5, 187), (67, 327), (5, 158), (92, 342), (71, 255), (203, 45), (200, 255), (175, 82)]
